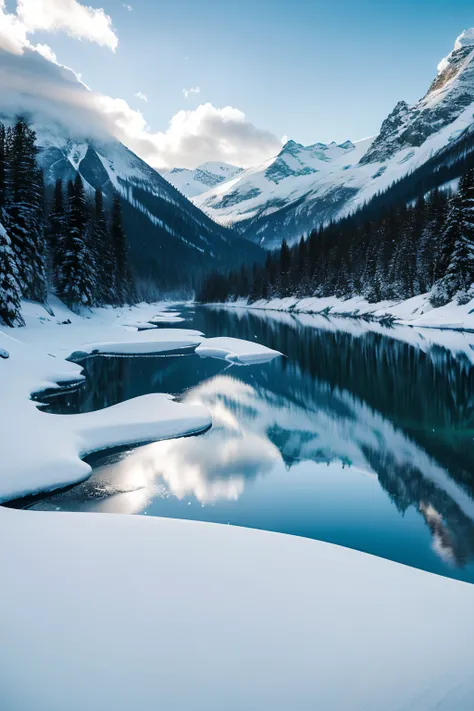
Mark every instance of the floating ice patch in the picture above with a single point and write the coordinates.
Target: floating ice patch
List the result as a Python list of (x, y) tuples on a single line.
[(152, 341), (235, 350), (139, 325), (167, 317)]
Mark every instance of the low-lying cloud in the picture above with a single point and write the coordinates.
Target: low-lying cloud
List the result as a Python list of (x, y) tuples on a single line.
[(32, 81)]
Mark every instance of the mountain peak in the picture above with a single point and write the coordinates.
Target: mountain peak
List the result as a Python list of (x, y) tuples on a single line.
[(193, 182), (291, 146), (449, 96), (465, 39)]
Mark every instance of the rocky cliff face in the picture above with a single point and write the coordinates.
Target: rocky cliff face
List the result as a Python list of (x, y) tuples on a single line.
[(451, 92)]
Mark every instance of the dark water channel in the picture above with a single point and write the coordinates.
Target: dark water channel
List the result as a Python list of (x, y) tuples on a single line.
[(357, 438)]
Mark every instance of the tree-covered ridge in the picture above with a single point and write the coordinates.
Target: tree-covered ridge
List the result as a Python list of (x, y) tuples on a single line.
[(64, 242), (408, 249)]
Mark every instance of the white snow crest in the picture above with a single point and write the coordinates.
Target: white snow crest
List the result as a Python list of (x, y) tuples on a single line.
[(236, 351)]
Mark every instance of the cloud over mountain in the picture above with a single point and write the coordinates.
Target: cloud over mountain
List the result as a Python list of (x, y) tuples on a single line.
[(32, 81)]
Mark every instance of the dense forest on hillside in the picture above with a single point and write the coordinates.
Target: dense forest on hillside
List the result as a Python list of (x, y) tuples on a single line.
[(66, 242), (424, 246)]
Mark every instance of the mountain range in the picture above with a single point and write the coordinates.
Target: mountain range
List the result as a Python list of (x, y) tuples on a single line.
[(203, 178), (178, 224), (304, 186), (171, 241)]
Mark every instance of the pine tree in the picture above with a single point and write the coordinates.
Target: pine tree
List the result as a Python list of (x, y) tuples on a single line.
[(300, 276), (102, 248), (285, 266), (10, 294), (455, 255), (458, 247), (3, 167), (429, 265), (24, 199), (123, 281), (404, 261), (76, 268), (56, 231)]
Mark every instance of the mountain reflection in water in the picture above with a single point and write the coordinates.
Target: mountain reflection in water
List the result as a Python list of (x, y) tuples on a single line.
[(358, 438)]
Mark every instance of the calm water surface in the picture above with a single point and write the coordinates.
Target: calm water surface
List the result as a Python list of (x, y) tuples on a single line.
[(355, 438)]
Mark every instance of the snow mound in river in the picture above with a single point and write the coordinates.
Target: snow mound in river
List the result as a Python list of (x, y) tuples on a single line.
[(235, 350)]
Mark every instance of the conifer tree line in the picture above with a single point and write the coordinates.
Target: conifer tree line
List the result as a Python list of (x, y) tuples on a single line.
[(69, 245), (426, 246)]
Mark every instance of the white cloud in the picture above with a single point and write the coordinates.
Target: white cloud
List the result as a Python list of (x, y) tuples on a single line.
[(194, 90), (127, 7), (12, 32), (208, 133), (46, 52), (69, 16), (32, 81), (143, 97)]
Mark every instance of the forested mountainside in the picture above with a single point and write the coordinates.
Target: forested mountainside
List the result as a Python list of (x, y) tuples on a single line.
[(71, 244), (171, 242), (408, 249), (304, 186)]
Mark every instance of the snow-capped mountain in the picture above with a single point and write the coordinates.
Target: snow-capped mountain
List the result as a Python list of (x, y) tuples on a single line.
[(171, 240), (304, 186), (206, 176)]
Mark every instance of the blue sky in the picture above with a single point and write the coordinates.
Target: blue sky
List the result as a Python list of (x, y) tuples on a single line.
[(311, 70)]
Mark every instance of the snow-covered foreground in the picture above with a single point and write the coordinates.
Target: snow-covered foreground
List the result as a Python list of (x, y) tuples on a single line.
[(115, 612), (125, 612)]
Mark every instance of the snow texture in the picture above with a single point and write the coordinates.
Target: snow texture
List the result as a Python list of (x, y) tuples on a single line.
[(152, 341), (129, 612), (416, 312), (194, 182), (235, 351), (41, 451)]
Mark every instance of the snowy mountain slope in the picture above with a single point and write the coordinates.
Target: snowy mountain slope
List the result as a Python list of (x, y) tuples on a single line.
[(171, 240), (206, 176), (303, 186)]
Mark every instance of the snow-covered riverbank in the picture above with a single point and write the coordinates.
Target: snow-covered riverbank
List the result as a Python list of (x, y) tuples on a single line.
[(416, 312), (122, 612), (42, 451)]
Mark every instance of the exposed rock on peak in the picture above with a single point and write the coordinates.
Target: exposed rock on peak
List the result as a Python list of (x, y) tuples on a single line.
[(451, 92), (304, 186)]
